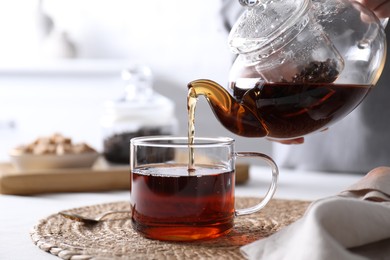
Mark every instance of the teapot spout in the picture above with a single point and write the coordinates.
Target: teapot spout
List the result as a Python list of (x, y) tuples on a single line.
[(233, 115)]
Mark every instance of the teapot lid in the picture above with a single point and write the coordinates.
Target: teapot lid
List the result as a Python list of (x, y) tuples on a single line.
[(265, 21)]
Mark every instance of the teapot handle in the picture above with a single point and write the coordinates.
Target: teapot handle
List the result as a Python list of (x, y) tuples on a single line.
[(372, 32), (384, 22)]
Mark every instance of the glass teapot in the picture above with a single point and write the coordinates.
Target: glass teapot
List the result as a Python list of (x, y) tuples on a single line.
[(301, 66)]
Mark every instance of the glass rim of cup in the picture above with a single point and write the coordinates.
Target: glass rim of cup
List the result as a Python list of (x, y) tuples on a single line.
[(181, 141)]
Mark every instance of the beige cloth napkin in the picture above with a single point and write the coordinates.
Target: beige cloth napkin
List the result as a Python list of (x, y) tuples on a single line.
[(354, 224)]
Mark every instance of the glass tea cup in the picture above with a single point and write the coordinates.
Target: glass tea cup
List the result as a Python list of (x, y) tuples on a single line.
[(174, 202)]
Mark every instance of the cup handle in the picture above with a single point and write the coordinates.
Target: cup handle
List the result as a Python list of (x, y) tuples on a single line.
[(272, 188)]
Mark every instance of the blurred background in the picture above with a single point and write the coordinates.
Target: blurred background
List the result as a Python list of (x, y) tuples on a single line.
[(61, 60)]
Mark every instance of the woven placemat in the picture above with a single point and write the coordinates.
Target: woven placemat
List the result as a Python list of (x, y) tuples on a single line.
[(114, 238)]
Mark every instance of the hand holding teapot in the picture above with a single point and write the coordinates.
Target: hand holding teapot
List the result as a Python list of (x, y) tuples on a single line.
[(381, 8)]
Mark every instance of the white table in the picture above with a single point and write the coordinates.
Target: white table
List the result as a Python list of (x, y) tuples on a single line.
[(18, 214)]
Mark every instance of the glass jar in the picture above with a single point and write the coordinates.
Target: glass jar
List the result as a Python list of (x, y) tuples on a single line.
[(140, 112)]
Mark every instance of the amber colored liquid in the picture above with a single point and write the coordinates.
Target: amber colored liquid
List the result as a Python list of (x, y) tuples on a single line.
[(287, 110), (168, 204), (191, 105)]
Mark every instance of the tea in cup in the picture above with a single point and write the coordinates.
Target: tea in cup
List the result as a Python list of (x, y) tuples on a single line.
[(174, 202)]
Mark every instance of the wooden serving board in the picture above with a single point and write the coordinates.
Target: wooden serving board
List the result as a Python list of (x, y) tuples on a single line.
[(101, 177)]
